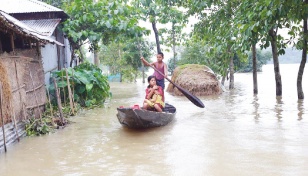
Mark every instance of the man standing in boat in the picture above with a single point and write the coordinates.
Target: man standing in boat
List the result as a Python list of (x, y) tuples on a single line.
[(160, 66)]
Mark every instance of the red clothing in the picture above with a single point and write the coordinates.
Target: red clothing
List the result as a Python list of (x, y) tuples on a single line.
[(160, 90), (162, 70)]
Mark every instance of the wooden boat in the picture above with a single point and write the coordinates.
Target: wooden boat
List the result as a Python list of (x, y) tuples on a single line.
[(140, 118)]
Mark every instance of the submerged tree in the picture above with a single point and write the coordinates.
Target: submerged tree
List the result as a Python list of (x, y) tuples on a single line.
[(299, 14)]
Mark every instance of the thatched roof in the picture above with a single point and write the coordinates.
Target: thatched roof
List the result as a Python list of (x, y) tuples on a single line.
[(197, 79), (9, 23)]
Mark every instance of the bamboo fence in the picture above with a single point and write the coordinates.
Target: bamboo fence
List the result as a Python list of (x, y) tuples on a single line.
[(23, 95)]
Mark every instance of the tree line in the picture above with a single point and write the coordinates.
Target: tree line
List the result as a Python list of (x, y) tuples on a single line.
[(226, 29), (234, 27)]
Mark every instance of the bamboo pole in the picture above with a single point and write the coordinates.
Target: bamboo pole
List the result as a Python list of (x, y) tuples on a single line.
[(51, 109), (69, 92), (64, 94), (35, 106), (48, 96), (35, 95), (73, 86), (2, 118), (58, 100), (18, 88), (21, 100), (14, 121)]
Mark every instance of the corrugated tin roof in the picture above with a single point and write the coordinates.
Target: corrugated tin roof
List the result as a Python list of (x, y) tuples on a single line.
[(26, 6), (15, 24), (45, 26)]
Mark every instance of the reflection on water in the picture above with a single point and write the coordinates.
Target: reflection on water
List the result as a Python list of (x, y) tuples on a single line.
[(237, 133), (278, 107), (256, 105), (300, 108)]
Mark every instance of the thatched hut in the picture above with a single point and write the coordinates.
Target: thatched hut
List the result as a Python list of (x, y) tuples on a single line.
[(197, 79), (22, 85), (42, 21)]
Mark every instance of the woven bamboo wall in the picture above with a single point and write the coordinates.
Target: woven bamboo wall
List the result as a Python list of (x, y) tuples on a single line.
[(23, 82)]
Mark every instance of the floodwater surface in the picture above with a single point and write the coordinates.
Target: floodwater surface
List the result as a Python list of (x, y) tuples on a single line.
[(236, 133)]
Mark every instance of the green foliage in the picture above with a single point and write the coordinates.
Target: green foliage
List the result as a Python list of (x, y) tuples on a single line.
[(248, 22), (100, 21), (49, 122), (158, 11), (217, 31), (262, 58), (124, 57), (197, 53), (36, 127), (171, 65), (90, 86), (174, 36)]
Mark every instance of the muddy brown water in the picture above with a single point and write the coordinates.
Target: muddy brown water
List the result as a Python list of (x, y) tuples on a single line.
[(235, 134)]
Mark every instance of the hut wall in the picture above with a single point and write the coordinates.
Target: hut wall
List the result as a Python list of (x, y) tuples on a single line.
[(10, 133), (27, 95), (35, 88), (68, 53), (56, 57), (50, 61), (24, 94), (31, 53), (0, 45)]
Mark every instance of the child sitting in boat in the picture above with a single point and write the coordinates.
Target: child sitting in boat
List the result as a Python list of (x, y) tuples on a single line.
[(154, 98)]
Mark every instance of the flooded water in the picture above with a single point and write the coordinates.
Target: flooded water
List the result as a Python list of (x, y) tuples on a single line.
[(236, 133)]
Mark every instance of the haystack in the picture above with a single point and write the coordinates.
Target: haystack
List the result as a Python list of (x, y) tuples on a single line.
[(197, 79)]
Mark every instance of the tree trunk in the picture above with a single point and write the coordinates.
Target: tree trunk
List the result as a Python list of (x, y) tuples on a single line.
[(156, 36), (81, 54), (273, 39), (254, 67), (223, 80), (96, 59), (224, 77), (72, 58), (231, 67), (173, 46), (140, 53), (300, 93)]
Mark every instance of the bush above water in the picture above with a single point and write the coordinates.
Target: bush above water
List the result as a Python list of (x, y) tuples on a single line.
[(89, 86)]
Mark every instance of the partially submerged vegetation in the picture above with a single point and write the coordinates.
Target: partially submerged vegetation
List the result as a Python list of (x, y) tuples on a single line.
[(89, 88)]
